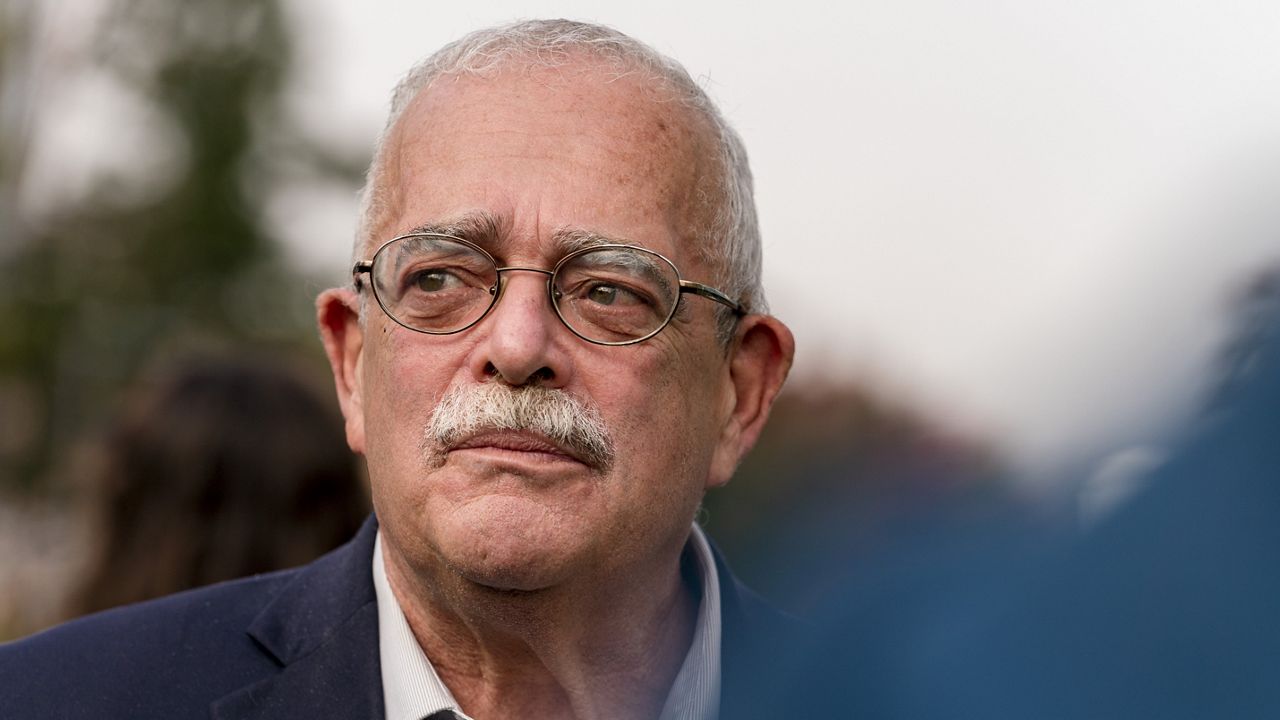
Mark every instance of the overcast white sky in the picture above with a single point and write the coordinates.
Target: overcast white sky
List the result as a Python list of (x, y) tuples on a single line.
[(1023, 217)]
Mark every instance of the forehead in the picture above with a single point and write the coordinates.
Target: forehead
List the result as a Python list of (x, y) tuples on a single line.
[(544, 149)]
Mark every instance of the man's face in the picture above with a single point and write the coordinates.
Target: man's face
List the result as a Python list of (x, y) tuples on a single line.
[(544, 152)]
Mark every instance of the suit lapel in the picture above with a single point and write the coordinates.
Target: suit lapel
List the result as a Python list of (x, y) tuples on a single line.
[(323, 631), (752, 633)]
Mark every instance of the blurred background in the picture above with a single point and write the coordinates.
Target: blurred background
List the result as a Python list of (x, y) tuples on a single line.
[(1014, 240)]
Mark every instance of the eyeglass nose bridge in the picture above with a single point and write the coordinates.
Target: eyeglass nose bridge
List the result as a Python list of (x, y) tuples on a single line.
[(497, 288)]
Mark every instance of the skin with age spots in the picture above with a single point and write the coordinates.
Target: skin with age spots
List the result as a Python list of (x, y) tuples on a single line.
[(538, 583)]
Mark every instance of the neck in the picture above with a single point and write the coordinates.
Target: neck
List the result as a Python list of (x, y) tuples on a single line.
[(598, 648)]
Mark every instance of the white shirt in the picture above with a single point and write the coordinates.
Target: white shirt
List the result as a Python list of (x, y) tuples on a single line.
[(411, 689)]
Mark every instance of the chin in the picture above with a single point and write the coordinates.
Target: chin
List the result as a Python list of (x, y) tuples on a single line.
[(506, 545), (510, 572)]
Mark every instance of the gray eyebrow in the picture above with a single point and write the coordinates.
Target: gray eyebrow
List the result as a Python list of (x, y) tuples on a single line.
[(568, 240), (411, 245), (485, 229), (480, 227)]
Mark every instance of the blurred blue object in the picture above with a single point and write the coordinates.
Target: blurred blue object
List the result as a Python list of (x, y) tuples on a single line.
[(1168, 608)]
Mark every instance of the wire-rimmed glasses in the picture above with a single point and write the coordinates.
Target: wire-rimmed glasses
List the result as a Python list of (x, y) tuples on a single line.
[(605, 294)]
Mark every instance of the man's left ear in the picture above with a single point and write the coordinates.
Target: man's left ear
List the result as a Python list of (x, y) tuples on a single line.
[(759, 361)]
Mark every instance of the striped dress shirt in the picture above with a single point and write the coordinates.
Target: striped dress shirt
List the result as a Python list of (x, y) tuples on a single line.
[(412, 690)]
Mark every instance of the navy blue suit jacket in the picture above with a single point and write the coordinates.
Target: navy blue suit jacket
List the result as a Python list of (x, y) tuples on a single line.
[(300, 643)]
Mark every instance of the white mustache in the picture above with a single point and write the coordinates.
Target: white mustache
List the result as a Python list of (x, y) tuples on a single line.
[(467, 410)]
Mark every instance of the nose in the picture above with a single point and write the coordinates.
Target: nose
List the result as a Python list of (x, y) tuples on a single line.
[(523, 336)]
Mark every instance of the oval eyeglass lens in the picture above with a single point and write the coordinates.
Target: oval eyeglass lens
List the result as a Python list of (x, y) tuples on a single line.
[(614, 295), (433, 283)]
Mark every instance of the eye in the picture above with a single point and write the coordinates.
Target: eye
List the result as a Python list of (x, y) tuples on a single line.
[(434, 280), (606, 294)]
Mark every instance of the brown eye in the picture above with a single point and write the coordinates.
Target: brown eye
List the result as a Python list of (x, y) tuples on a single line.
[(602, 294), (434, 280)]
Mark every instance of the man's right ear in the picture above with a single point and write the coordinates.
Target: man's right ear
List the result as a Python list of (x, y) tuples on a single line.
[(338, 315)]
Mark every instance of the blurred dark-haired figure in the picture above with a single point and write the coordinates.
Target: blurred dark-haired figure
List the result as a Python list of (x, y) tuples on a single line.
[(220, 468), (1166, 608)]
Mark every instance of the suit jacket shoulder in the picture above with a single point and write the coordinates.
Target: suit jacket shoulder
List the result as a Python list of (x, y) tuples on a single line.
[(297, 643)]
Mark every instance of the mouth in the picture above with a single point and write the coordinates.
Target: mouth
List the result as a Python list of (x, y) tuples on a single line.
[(518, 445)]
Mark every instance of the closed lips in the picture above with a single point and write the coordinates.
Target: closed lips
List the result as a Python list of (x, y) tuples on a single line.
[(516, 441)]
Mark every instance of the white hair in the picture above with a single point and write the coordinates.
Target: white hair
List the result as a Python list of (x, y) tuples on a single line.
[(730, 245)]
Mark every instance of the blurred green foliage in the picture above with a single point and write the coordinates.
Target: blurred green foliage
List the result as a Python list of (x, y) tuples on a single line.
[(98, 285)]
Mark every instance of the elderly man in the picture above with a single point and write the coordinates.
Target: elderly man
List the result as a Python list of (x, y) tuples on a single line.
[(553, 344)]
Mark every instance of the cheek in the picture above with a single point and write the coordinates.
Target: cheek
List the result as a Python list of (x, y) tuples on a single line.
[(403, 383), (664, 417), (664, 461)]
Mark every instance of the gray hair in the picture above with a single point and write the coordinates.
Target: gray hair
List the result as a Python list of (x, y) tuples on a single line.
[(730, 245), (469, 409)]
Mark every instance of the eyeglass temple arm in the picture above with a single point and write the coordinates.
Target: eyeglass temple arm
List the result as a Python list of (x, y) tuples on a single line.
[(363, 266), (711, 293)]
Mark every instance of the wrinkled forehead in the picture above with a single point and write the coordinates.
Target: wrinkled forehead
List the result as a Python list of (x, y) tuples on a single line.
[(627, 131)]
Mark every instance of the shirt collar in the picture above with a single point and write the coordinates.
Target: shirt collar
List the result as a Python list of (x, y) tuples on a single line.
[(412, 690)]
